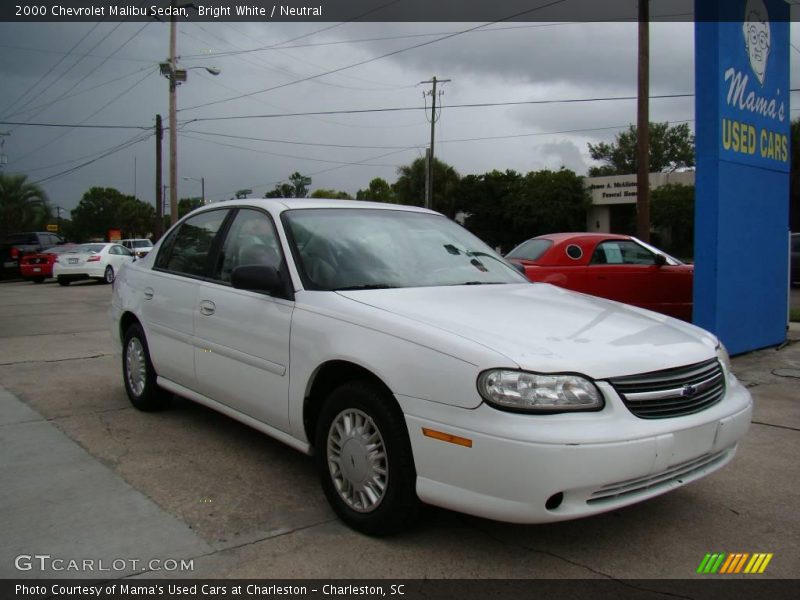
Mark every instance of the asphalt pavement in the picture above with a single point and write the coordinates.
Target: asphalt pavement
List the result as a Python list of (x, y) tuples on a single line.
[(86, 477)]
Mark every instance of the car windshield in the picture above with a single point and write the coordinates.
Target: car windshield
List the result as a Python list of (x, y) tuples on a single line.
[(348, 249), (87, 248), (530, 250), (142, 244)]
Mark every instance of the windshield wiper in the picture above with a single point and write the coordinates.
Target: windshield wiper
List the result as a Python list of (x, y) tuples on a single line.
[(366, 286)]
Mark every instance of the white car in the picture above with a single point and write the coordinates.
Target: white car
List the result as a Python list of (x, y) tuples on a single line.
[(139, 246), (91, 261), (418, 366)]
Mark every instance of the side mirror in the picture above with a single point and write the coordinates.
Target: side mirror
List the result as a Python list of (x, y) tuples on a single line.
[(257, 278), (661, 260)]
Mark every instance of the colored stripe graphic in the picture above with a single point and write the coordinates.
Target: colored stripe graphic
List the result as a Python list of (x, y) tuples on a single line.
[(728, 564)]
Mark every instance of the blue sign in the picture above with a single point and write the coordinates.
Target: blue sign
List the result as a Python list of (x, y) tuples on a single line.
[(743, 159), (753, 83)]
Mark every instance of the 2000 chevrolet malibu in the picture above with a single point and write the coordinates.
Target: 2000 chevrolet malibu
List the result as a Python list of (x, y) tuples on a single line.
[(418, 366)]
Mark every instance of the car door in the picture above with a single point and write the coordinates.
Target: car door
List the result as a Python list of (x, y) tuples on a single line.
[(169, 296), (626, 271), (242, 337)]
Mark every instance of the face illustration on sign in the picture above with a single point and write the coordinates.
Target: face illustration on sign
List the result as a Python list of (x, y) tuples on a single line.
[(757, 36)]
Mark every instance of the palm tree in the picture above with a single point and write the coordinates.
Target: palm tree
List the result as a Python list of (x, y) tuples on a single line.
[(23, 206)]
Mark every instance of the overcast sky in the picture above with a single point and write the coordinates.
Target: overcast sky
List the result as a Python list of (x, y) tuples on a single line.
[(107, 74)]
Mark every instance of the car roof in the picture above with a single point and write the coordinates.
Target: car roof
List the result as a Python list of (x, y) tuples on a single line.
[(281, 204), (561, 237)]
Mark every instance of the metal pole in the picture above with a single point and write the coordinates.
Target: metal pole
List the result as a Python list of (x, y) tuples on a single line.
[(158, 230), (427, 177), (173, 119), (430, 157), (203, 189), (643, 126)]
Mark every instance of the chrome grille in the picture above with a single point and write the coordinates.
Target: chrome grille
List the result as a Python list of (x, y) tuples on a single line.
[(671, 476), (672, 392)]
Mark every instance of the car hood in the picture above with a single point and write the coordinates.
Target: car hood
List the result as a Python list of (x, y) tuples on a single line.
[(545, 328)]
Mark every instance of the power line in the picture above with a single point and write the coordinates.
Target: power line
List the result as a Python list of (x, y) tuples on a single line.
[(73, 125), (50, 70), (296, 143), (370, 60), (294, 157), (99, 85), (281, 46), (417, 108)]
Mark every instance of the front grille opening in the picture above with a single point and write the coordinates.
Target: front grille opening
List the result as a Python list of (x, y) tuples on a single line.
[(672, 392)]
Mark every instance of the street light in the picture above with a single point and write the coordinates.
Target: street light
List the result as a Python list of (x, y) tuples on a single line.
[(202, 181), (176, 76)]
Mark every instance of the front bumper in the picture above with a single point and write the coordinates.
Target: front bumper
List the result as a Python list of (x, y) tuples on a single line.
[(571, 466)]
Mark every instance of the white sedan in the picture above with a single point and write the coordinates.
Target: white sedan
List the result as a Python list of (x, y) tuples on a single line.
[(418, 366), (91, 261)]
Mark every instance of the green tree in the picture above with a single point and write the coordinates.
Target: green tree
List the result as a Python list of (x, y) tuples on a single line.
[(300, 184), (101, 209), (23, 206), (410, 186), (187, 205), (485, 199), (505, 209), (328, 193), (282, 190), (670, 148), (672, 210), (794, 181), (379, 190)]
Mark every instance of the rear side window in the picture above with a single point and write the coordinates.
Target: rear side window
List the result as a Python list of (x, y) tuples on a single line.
[(187, 253), (530, 250), (622, 252)]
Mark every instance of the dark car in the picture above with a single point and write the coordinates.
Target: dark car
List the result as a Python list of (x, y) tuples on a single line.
[(617, 267), (13, 247), (795, 259)]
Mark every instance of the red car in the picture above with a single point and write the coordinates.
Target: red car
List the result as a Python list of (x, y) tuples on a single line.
[(39, 266), (617, 267)]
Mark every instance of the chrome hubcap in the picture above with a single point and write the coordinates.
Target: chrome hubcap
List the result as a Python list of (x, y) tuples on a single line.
[(135, 366), (357, 460), (109, 275)]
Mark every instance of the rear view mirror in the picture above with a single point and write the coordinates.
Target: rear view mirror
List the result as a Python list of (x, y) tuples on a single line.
[(661, 260)]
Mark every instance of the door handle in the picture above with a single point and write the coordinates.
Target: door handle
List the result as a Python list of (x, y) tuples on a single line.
[(148, 293), (207, 307)]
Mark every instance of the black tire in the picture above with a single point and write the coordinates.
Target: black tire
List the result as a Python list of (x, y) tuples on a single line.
[(62, 280), (149, 397), (398, 507), (38, 280), (108, 276)]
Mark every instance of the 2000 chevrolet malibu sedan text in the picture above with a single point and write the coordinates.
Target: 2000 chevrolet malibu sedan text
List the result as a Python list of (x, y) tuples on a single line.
[(420, 367)]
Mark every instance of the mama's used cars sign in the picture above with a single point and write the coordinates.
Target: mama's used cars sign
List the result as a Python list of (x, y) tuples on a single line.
[(753, 87), (743, 159)]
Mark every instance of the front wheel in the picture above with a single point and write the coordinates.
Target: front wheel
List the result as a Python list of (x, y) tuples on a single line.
[(364, 459), (108, 276), (138, 372)]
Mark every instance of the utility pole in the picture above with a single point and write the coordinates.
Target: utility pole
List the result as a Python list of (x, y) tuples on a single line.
[(3, 157), (433, 95), (173, 121), (643, 126), (158, 230)]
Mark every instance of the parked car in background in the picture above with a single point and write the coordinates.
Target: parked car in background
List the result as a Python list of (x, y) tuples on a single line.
[(417, 365), (91, 261), (617, 267), (795, 267), (139, 246), (13, 247), (39, 266)]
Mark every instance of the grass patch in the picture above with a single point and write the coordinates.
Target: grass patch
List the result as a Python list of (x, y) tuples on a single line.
[(794, 315)]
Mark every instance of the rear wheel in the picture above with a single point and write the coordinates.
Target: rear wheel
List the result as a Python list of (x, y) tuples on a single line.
[(138, 372), (62, 280), (108, 276), (364, 459)]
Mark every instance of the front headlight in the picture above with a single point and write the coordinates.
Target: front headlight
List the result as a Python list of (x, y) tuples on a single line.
[(531, 392), (725, 360)]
